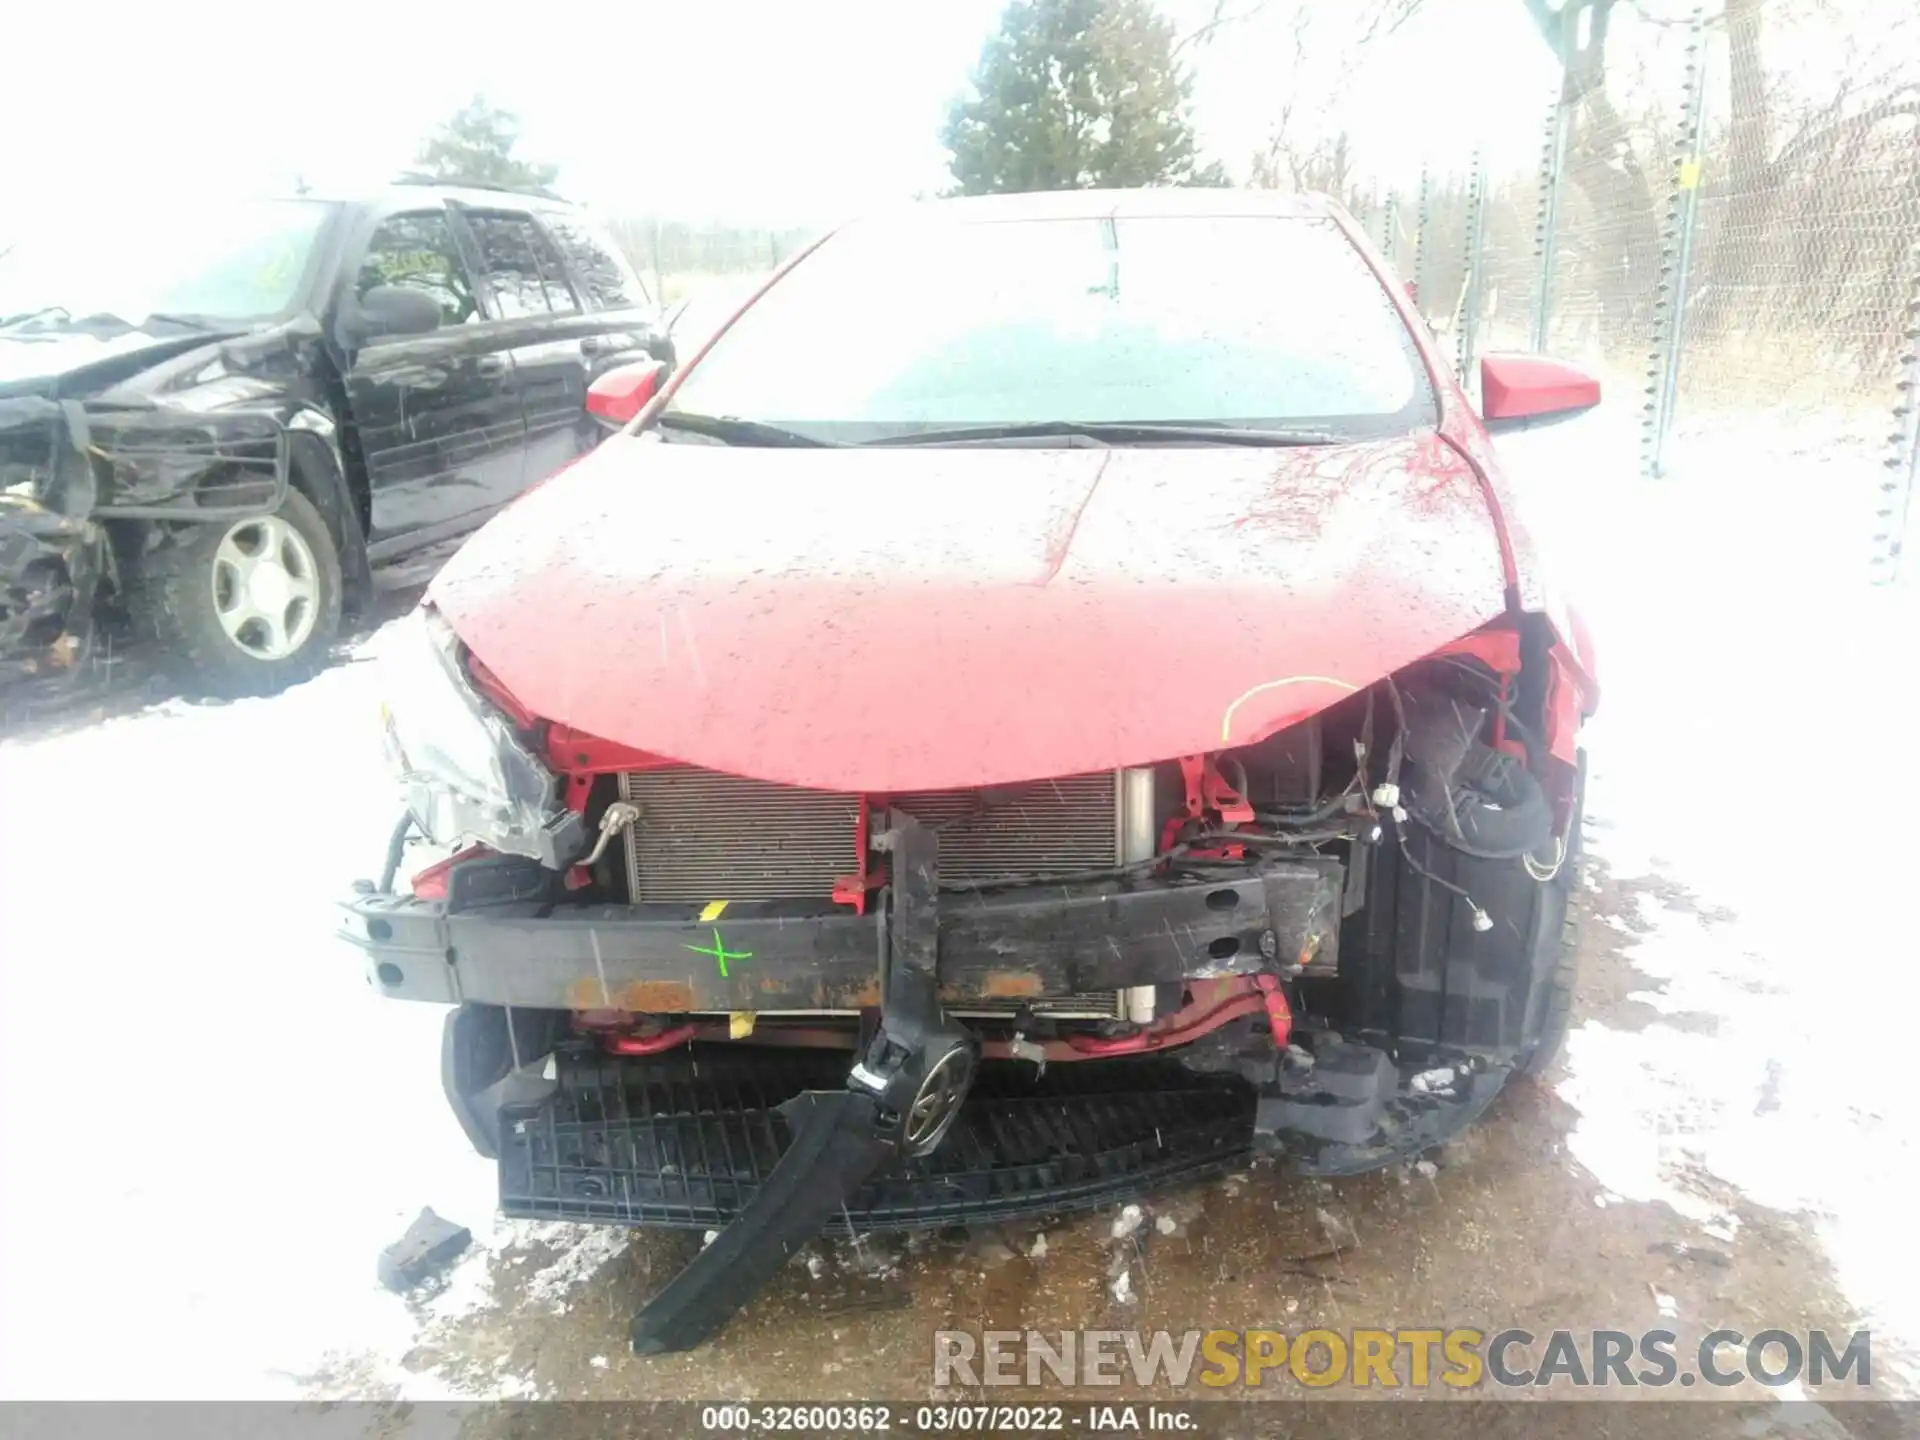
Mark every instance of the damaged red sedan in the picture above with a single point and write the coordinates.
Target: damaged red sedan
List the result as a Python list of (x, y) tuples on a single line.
[(1056, 698)]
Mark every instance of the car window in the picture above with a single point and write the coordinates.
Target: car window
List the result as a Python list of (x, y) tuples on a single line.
[(417, 252), (553, 272), (932, 322), (610, 281), (514, 282)]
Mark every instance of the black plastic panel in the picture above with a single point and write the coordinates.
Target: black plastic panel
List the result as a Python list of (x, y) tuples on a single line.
[(1421, 976), (682, 1140)]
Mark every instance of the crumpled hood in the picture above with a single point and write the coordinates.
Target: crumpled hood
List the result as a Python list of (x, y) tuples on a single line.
[(905, 619), (40, 363)]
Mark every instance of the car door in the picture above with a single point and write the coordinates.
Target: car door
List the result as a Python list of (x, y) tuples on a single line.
[(546, 330), (625, 323), (437, 417)]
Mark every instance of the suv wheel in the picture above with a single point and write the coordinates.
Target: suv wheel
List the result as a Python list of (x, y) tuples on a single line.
[(251, 605)]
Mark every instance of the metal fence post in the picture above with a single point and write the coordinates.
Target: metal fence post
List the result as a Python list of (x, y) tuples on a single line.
[(1903, 465), (1546, 234), (1676, 257), (1422, 221), (1466, 340)]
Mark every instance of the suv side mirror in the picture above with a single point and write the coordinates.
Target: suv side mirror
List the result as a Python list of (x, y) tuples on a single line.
[(1524, 392), (395, 310)]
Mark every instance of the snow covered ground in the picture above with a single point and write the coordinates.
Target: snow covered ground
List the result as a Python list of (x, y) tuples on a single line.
[(1748, 760), (211, 1127)]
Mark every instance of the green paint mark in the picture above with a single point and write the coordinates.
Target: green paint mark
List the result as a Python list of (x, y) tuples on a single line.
[(718, 950)]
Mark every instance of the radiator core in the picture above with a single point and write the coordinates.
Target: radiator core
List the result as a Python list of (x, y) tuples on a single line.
[(703, 835)]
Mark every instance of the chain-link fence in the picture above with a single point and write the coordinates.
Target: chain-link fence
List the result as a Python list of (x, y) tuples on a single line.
[(680, 259), (1725, 222)]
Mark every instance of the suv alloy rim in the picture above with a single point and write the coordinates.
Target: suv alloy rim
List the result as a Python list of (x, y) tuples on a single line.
[(266, 587)]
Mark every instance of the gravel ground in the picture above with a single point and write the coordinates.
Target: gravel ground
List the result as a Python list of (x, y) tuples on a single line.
[(1503, 1229)]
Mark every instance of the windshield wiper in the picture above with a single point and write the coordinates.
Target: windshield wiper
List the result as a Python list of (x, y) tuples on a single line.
[(58, 317), (730, 430), (187, 322), (28, 317), (1114, 433)]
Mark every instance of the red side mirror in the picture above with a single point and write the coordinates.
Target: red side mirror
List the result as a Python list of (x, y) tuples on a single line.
[(622, 393), (1519, 392)]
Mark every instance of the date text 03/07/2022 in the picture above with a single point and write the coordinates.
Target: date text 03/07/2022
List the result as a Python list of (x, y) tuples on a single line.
[(938, 1419)]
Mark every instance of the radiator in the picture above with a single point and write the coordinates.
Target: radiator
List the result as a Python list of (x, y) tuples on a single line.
[(703, 835)]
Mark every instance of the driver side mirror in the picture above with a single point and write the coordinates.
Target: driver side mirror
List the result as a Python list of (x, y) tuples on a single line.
[(1525, 392), (389, 310), (623, 392)]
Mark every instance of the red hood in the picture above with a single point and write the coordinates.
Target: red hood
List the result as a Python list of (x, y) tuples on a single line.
[(908, 619)]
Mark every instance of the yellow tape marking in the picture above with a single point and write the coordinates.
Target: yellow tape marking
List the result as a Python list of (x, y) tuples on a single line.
[(715, 909), (1689, 174), (740, 1024)]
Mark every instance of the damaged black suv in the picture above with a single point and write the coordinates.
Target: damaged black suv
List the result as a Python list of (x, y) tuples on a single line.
[(221, 434)]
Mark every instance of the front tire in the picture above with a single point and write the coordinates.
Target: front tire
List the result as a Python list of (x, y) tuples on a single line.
[(251, 605), (1560, 930)]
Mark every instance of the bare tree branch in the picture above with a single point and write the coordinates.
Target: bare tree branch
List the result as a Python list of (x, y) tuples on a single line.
[(1216, 22), (1387, 16), (1548, 20), (1377, 18), (1850, 129)]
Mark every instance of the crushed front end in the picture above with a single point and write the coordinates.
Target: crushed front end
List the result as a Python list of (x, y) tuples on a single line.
[(72, 468), (51, 551), (695, 999)]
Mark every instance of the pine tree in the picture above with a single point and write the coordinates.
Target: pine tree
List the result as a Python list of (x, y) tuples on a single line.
[(1075, 94), (475, 147)]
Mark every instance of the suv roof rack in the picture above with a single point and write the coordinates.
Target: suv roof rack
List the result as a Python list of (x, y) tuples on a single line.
[(538, 192)]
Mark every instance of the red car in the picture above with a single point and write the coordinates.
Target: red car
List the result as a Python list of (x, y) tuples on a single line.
[(1056, 697)]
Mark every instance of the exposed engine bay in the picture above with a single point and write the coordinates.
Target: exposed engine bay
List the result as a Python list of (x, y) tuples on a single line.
[(1334, 945)]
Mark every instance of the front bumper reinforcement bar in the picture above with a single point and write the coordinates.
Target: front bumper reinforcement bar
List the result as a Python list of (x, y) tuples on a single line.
[(495, 941)]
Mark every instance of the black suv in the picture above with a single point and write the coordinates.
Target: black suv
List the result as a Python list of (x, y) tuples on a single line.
[(224, 440)]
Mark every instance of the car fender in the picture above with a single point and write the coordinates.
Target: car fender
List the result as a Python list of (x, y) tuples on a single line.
[(320, 472)]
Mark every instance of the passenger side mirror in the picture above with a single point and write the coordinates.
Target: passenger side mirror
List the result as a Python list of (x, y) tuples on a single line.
[(387, 310), (1524, 392)]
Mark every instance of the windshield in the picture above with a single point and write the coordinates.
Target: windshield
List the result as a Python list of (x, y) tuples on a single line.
[(218, 264), (928, 324)]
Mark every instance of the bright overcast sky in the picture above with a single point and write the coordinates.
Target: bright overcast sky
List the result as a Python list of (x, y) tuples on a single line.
[(751, 111)]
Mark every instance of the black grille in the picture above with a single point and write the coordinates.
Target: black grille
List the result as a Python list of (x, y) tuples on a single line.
[(683, 1140)]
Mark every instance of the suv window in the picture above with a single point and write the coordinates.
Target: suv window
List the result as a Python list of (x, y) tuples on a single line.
[(553, 272), (602, 270), (417, 252), (512, 247)]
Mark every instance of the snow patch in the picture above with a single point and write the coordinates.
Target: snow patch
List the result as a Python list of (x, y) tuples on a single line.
[(290, 1122)]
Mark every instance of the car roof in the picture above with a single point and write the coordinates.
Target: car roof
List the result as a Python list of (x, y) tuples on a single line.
[(1119, 205), (405, 194), (475, 195)]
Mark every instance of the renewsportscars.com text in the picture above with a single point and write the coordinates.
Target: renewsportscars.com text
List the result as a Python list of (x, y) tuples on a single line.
[(1458, 1358)]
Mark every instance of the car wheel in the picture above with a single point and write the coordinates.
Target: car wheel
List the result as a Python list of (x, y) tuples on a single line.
[(251, 605), (1560, 988), (1559, 928)]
